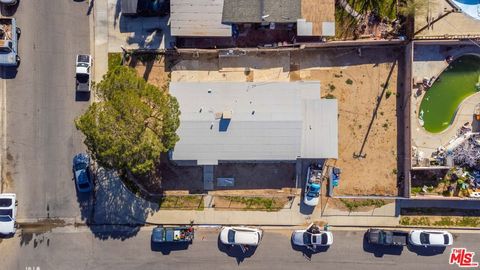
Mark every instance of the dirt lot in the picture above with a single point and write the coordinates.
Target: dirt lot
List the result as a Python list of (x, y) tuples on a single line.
[(360, 81)]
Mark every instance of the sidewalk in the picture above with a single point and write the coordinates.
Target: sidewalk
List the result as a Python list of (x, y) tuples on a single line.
[(383, 216)]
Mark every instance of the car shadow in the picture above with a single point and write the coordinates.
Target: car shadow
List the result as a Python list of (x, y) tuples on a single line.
[(82, 96), (306, 209), (236, 251), (426, 251), (166, 248), (308, 252), (9, 10), (379, 250), (8, 72)]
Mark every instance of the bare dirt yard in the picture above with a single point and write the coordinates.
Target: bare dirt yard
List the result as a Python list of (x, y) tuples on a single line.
[(364, 82)]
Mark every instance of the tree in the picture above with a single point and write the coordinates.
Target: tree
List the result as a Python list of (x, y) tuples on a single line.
[(133, 124)]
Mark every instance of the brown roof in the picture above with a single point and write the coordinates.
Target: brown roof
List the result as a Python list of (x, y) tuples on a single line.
[(317, 12)]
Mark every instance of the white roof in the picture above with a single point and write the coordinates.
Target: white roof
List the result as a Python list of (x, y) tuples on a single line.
[(198, 18), (269, 121)]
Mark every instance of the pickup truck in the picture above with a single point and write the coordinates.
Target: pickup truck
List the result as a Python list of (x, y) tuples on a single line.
[(82, 72), (9, 34), (173, 234), (387, 237), (313, 185)]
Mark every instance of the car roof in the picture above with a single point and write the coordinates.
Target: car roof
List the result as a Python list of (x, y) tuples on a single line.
[(246, 236), (436, 238)]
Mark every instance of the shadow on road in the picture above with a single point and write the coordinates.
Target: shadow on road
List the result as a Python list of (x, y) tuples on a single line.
[(8, 72), (166, 248), (112, 211), (379, 250), (426, 251), (309, 252), (236, 251)]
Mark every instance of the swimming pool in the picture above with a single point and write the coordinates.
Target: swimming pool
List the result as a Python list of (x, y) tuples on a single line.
[(441, 101), (469, 7)]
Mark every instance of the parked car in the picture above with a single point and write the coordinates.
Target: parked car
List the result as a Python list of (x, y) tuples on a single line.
[(430, 238), (387, 237), (312, 237), (8, 212), (9, 35), (241, 236), (184, 234), (81, 171), (82, 72)]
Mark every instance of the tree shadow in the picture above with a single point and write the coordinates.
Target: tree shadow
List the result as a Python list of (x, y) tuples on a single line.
[(167, 248), (146, 33), (426, 251), (236, 251), (112, 211), (361, 154), (309, 252), (380, 250)]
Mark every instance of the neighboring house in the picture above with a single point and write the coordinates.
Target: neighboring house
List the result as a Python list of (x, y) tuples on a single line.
[(254, 122), (448, 19), (215, 18), (198, 18), (309, 17)]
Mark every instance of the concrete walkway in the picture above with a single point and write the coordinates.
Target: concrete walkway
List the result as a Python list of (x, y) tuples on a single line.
[(114, 31)]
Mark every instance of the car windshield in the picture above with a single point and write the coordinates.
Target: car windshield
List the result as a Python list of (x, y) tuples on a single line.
[(424, 239), (82, 78), (5, 219), (231, 236), (80, 166), (307, 239), (324, 239), (5, 50), (82, 65), (5, 202), (446, 239), (6, 212), (84, 185)]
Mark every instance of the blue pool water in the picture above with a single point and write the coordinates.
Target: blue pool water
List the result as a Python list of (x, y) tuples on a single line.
[(469, 7)]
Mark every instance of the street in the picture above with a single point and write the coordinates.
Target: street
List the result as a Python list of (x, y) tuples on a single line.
[(41, 138), (70, 248)]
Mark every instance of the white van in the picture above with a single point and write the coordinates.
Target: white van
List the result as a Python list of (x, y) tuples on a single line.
[(241, 236)]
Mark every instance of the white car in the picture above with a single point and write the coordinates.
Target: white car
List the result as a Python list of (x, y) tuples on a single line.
[(241, 236), (8, 211), (430, 238), (82, 69), (307, 238)]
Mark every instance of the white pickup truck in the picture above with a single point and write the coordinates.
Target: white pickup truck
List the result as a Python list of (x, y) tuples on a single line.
[(82, 72)]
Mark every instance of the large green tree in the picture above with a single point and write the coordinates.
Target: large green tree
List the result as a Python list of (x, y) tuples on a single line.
[(133, 124)]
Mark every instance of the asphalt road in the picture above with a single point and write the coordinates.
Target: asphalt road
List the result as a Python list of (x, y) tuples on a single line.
[(40, 104), (79, 249)]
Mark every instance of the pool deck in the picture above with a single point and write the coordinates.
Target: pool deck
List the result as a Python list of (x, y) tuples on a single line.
[(429, 60)]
